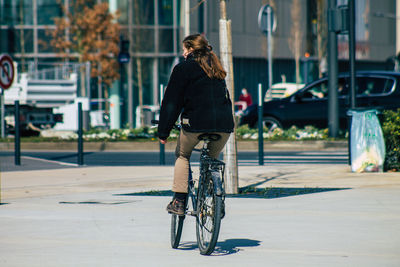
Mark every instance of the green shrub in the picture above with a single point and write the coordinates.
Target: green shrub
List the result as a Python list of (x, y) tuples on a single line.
[(391, 133)]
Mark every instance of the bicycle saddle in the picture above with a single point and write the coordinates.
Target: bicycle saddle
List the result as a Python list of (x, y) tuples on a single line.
[(209, 136)]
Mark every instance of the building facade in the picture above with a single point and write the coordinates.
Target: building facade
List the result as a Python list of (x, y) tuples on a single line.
[(155, 28)]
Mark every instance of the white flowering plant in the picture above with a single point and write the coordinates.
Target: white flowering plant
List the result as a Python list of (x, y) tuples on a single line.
[(293, 133)]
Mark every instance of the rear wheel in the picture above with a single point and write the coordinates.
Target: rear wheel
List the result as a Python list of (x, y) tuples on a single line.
[(271, 123), (176, 229), (208, 222)]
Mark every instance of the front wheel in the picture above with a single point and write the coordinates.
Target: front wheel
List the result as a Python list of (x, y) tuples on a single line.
[(176, 229), (208, 221)]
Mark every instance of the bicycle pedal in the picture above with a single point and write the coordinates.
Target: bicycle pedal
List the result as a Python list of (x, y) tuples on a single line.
[(191, 213)]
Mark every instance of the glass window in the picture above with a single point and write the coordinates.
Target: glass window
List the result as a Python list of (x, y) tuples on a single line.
[(47, 10), (9, 46), (122, 6), (143, 12), (16, 39), (373, 85), (143, 67), (165, 66), (343, 87), (319, 90), (165, 12), (16, 12), (166, 41), (44, 39), (143, 40)]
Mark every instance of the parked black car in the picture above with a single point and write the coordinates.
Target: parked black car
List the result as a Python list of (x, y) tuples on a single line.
[(309, 106)]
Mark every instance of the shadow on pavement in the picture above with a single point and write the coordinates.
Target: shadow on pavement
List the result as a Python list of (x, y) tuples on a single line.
[(250, 192), (277, 192), (227, 247)]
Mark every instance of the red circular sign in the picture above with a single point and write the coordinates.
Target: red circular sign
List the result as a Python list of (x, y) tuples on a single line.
[(6, 71)]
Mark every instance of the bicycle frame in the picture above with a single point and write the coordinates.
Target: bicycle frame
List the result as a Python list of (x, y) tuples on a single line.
[(207, 164)]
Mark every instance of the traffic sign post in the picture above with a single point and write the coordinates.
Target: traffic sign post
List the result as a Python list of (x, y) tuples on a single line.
[(7, 72), (267, 24), (2, 110)]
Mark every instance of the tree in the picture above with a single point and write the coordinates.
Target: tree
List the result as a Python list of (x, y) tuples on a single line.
[(296, 36), (230, 150), (322, 33), (89, 32)]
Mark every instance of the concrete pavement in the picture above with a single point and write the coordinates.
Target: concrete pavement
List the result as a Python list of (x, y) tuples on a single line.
[(90, 216)]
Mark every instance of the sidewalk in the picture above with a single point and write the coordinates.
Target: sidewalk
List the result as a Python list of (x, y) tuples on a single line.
[(91, 217)]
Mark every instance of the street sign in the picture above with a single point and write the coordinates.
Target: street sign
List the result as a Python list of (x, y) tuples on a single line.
[(6, 71), (265, 12)]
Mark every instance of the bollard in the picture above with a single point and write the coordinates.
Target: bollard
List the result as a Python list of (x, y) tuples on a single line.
[(80, 134), (162, 146), (17, 139), (162, 154), (260, 127)]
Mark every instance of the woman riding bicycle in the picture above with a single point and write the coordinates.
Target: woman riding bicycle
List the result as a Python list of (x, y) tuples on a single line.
[(197, 92)]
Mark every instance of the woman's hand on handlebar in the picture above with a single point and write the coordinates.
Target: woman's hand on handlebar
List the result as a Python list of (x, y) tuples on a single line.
[(163, 141)]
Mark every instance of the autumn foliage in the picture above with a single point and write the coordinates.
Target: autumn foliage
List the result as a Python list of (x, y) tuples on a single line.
[(90, 32)]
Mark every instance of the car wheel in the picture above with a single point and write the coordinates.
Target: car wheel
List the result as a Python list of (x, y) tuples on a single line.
[(271, 123)]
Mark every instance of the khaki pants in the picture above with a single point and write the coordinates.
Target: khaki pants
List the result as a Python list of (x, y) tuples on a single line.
[(185, 144)]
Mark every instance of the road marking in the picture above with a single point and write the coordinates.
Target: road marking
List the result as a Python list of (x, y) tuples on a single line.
[(52, 161), (307, 157)]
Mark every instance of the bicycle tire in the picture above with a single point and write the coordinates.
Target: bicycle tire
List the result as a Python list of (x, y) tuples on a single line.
[(208, 219), (176, 229)]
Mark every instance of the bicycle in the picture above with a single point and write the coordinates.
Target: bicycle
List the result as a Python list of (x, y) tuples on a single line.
[(207, 200)]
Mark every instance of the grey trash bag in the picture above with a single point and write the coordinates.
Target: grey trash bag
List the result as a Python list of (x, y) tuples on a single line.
[(366, 142)]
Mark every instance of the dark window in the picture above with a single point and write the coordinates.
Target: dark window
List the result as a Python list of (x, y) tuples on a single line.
[(48, 10), (17, 38), (16, 12), (143, 12), (319, 90), (166, 41), (343, 87), (373, 85), (143, 40), (165, 11), (144, 67), (44, 39)]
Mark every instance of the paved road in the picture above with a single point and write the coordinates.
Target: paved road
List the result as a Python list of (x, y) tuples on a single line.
[(46, 160), (97, 216)]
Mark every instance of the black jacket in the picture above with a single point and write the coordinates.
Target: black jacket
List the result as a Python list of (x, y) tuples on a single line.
[(203, 103)]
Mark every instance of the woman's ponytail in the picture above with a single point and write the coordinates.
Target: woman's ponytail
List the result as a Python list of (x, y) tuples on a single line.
[(203, 54)]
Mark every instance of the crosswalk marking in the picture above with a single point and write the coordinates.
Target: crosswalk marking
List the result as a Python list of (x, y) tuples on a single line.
[(315, 157)]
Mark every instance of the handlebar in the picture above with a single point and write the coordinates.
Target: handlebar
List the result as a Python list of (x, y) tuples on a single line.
[(176, 126)]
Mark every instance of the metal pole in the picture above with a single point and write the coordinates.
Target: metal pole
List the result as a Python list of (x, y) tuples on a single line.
[(333, 107), (269, 26), (80, 134), (2, 125), (352, 53), (397, 27), (186, 27), (260, 127), (88, 89), (17, 144), (162, 146)]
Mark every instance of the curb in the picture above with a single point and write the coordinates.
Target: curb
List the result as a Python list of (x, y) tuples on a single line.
[(170, 146)]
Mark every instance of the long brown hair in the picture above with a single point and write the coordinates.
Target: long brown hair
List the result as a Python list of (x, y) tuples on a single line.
[(203, 54)]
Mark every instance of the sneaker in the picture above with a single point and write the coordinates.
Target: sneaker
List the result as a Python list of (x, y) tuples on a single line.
[(176, 207)]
